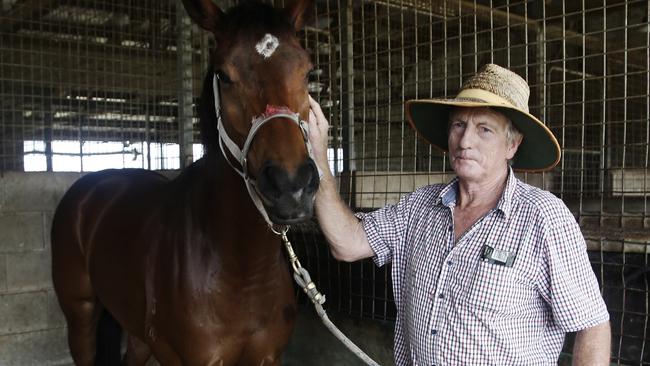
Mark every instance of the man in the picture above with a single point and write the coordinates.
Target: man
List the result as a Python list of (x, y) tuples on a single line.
[(485, 269)]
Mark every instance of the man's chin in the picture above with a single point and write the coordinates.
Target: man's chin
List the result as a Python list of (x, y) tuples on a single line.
[(464, 164), (467, 170)]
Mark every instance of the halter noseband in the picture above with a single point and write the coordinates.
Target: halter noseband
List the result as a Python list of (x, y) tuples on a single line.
[(241, 154)]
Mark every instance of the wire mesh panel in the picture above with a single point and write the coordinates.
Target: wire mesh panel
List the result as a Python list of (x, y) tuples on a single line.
[(587, 65), (87, 85)]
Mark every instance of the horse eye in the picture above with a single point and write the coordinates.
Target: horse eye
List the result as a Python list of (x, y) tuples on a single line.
[(223, 77), (311, 71)]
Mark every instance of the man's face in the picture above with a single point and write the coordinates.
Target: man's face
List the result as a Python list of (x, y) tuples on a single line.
[(478, 144)]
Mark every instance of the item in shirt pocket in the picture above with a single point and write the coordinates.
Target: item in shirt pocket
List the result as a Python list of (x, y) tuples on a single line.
[(497, 256)]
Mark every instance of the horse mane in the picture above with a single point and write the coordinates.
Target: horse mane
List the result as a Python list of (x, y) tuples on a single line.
[(208, 116)]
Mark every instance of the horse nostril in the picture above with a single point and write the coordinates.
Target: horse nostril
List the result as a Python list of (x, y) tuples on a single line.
[(270, 181), (275, 182)]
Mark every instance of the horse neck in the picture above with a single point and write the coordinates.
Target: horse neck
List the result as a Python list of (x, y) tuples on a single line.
[(213, 232), (240, 228)]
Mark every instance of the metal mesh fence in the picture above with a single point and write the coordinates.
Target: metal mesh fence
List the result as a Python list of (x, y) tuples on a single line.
[(89, 84), (587, 65)]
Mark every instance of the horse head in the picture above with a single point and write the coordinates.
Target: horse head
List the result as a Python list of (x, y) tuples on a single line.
[(260, 88)]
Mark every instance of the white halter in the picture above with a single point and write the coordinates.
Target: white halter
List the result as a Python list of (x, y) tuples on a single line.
[(241, 154)]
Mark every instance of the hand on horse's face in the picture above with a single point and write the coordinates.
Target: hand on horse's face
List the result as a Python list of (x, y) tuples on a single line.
[(318, 126)]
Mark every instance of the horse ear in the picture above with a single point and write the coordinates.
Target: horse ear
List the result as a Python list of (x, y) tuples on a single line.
[(300, 12), (204, 13)]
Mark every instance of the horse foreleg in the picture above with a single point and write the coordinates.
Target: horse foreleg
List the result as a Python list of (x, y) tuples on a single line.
[(77, 300), (82, 317), (137, 352), (74, 291)]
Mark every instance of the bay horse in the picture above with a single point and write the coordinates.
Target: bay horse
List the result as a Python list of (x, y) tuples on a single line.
[(189, 267)]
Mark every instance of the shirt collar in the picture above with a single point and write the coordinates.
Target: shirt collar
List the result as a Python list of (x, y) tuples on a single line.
[(449, 193), (505, 202)]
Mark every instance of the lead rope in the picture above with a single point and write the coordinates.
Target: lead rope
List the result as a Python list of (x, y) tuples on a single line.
[(302, 278), (300, 274)]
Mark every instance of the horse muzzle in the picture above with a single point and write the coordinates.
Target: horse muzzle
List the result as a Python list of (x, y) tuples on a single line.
[(288, 197)]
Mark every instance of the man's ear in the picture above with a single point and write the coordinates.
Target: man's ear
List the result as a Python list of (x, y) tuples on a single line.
[(514, 145)]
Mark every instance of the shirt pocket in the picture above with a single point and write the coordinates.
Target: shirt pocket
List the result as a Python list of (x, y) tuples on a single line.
[(492, 287)]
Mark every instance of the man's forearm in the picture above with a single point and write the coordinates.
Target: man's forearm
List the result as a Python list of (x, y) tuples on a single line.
[(592, 346), (341, 228)]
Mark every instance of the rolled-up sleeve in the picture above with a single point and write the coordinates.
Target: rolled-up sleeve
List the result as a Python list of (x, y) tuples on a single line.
[(570, 285), (385, 229)]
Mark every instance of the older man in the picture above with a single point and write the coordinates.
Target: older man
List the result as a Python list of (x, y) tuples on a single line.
[(485, 269)]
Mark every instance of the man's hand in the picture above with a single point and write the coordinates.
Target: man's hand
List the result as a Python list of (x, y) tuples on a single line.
[(344, 233), (318, 126)]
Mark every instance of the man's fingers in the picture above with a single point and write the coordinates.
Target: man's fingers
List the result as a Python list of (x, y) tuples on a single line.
[(312, 117), (318, 112)]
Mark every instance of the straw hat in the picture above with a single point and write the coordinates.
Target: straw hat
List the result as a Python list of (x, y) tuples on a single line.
[(502, 90)]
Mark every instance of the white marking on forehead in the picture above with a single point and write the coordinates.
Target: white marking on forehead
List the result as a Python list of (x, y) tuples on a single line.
[(267, 45)]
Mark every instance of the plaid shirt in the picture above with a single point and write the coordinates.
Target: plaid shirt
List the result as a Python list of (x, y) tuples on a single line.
[(455, 307)]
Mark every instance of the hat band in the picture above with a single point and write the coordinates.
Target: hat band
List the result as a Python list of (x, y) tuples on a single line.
[(487, 96)]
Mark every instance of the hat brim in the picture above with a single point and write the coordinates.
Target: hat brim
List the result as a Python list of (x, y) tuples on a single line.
[(539, 150)]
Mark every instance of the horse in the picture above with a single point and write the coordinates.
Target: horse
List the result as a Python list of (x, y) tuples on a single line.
[(189, 267)]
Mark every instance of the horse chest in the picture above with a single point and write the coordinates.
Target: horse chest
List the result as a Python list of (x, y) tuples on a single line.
[(249, 328), (221, 304)]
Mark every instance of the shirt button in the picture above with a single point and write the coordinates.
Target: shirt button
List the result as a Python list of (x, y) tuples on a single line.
[(433, 332), (450, 263), (441, 296)]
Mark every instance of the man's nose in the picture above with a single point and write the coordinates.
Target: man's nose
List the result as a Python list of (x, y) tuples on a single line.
[(467, 137)]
